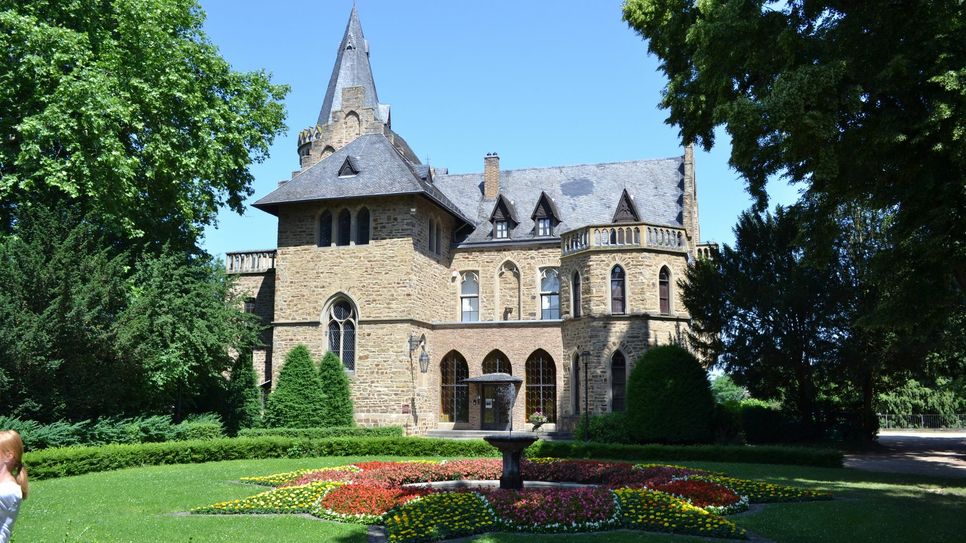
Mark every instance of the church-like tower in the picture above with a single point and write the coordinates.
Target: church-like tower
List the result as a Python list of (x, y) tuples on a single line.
[(351, 105)]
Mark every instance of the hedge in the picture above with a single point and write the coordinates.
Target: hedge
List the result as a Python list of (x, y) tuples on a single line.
[(51, 463), (322, 433), (744, 454)]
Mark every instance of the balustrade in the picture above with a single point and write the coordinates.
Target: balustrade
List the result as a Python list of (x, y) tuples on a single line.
[(638, 235), (250, 261)]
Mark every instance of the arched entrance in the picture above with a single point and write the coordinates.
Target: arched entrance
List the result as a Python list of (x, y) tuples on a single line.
[(454, 398)]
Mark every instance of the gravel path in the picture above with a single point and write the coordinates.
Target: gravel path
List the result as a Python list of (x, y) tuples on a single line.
[(941, 454)]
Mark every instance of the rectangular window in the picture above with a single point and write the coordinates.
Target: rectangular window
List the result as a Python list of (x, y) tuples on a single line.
[(432, 233), (249, 305), (500, 231), (471, 308), (544, 228)]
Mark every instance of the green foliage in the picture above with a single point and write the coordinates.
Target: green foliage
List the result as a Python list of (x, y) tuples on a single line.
[(126, 111), (668, 398), (764, 424), (297, 401), (199, 427), (50, 463), (861, 102), (327, 432), (335, 386), (243, 405), (725, 389), (68, 461), (912, 397), (60, 293), (766, 314), (181, 322), (605, 428), (153, 429)]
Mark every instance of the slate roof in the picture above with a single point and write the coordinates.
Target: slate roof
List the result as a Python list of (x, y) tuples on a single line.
[(382, 171), (352, 69), (582, 194)]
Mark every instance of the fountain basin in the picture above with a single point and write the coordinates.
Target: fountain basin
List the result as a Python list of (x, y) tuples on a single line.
[(512, 446)]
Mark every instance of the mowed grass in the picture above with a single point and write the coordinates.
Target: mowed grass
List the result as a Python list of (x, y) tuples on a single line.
[(147, 505)]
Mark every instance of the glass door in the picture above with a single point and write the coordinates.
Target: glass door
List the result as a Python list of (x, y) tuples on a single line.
[(495, 415)]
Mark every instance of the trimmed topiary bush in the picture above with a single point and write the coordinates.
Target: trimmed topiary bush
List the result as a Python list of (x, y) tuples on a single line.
[(669, 399), (324, 433), (243, 406), (335, 385), (298, 401)]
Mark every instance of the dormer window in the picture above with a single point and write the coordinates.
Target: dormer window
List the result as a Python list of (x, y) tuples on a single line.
[(348, 168), (545, 216), (503, 218), (544, 228)]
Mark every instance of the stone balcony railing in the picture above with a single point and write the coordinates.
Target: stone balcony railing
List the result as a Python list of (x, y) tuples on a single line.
[(707, 250), (622, 236), (250, 261)]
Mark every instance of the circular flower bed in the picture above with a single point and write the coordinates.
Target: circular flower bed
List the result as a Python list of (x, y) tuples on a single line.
[(650, 497)]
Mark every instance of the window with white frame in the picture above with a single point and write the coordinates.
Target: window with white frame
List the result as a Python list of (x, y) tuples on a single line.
[(549, 294), (470, 297), (500, 230), (544, 227)]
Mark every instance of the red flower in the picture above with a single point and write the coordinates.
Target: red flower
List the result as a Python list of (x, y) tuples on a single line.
[(700, 493)]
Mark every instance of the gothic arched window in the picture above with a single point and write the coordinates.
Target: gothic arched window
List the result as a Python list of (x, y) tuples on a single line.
[(664, 290), (575, 382), (617, 293), (549, 293), (454, 396), (325, 229), (618, 382), (497, 362), (341, 329), (541, 379), (362, 227), (470, 297), (575, 295), (343, 234)]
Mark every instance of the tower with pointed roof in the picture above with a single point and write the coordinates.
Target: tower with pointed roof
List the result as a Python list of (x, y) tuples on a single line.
[(418, 279)]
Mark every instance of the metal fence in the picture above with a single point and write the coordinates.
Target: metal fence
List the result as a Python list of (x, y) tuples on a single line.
[(952, 422)]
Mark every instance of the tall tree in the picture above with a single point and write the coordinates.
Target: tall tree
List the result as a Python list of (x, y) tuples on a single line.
[(858, 101), (61, 292), (766, 314), (183, 319), (126, 111), (335, 387)]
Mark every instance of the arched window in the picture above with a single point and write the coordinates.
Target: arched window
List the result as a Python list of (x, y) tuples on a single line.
[(470, 297), (353, 125), (549, 294), (342, 235), (362, 227), (664, 290), (617, 293), (575, 295), (618, 382), (327, 151), (454, 397), (325, 229), (575, 389), (496, 362), (342, 324), (541, 379)]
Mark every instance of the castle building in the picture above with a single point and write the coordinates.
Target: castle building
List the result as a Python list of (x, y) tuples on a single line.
[(419, 279)]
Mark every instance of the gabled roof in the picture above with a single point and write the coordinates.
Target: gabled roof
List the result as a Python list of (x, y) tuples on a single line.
[(382, 171), (352, 69), (545, 207), (503, 209), (583, 194), (626, 211)]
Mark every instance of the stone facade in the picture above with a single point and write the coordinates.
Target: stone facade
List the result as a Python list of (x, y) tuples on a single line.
[(398, 274)]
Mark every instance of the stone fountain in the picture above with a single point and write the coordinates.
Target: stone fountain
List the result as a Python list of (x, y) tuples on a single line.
[(510, 444)]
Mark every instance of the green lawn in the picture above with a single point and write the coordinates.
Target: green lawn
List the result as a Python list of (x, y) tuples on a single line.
[(143, 505)]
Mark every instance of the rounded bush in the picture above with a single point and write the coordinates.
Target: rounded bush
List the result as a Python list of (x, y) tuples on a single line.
[(669, 399)]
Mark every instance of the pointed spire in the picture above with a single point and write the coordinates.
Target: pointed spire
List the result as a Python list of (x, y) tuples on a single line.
[(351, 70)]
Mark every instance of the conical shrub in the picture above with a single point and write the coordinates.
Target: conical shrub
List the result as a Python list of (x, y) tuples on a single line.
[(335, 385), (298, 400)]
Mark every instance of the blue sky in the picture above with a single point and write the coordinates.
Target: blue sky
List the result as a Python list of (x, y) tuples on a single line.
[(542, 83)]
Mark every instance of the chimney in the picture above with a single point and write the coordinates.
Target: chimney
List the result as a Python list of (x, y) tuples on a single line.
[(491, 176)]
